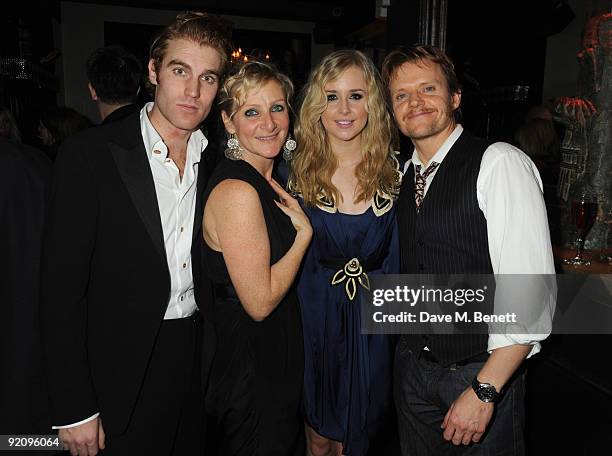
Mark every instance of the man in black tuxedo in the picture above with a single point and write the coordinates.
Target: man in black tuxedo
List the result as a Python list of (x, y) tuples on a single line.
[(121, 270), (466, 206), (24, 179)]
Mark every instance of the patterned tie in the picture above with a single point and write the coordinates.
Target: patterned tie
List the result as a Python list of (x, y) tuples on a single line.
[(420, 180)]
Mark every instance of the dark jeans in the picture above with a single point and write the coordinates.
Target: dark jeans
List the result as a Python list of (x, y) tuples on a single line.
[(425, 390)]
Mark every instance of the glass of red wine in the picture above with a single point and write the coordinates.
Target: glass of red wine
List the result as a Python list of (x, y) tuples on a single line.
[(583, 215)]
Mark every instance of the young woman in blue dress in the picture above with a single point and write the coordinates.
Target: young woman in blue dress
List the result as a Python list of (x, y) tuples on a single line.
[(347, 178)]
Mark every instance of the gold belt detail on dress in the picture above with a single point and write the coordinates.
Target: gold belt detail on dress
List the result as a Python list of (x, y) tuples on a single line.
[(352, 270)]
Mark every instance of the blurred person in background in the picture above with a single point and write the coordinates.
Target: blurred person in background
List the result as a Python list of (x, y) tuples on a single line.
[(24, 179), (8, 125), (538, 138), (58, 124), (114, 76)]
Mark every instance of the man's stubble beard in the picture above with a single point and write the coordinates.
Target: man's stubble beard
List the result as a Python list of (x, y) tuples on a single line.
[(435, 127)]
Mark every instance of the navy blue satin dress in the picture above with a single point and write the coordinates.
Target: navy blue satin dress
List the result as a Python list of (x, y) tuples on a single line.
[(347, 375)]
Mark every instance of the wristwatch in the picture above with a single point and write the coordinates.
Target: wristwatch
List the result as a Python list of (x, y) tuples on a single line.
[(485, 391)]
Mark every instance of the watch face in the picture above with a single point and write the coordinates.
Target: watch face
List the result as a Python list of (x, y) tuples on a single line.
[(486, 393)]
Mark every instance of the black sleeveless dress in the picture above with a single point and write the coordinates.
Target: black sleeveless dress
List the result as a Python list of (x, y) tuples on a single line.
[(256, 379)]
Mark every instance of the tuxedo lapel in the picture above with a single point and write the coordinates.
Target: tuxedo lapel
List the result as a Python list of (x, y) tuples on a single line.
[(200, 186), (136, 174)]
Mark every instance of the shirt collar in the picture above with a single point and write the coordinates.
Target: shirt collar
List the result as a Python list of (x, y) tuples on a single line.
[(154, 143), (443, 150)]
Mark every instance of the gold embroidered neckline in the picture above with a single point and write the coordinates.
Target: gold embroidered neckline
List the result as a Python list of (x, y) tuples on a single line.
[(381, 203)]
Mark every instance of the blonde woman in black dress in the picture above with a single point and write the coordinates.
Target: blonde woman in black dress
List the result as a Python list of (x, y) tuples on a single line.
[(256, 236)]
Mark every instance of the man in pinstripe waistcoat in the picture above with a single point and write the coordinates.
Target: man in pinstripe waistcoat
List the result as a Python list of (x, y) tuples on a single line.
[(465, 211)]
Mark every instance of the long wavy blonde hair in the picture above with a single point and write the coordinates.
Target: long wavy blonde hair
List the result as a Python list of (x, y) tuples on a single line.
[(314, 163)]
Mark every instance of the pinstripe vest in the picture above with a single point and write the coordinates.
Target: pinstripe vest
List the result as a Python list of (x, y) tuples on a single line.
[(447, 236)]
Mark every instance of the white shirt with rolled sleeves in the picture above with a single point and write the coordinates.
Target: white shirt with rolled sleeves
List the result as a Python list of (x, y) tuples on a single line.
[(509, 194), (176, 198)]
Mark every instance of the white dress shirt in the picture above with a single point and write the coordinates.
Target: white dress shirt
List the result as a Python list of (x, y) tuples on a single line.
[(176, 199), (509, 194)]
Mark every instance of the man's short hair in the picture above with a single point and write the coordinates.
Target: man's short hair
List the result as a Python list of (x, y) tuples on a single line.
[(418, 54), (201, 28), (115, 74), (421, 54)]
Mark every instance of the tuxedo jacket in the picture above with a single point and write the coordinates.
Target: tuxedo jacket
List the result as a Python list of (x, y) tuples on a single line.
[(24, 175), (105, 278)]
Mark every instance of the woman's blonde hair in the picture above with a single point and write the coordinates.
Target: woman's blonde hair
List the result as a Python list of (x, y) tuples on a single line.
[(314, 163), (248, 77)]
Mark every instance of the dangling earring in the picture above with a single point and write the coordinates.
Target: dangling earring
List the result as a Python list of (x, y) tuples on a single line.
[(233, 151), (288, 148)]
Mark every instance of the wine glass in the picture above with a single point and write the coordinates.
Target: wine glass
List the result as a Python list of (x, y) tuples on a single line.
[(583, 215)]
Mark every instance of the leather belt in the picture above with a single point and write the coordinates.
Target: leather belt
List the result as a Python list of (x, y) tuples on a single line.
[(427, 355)]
